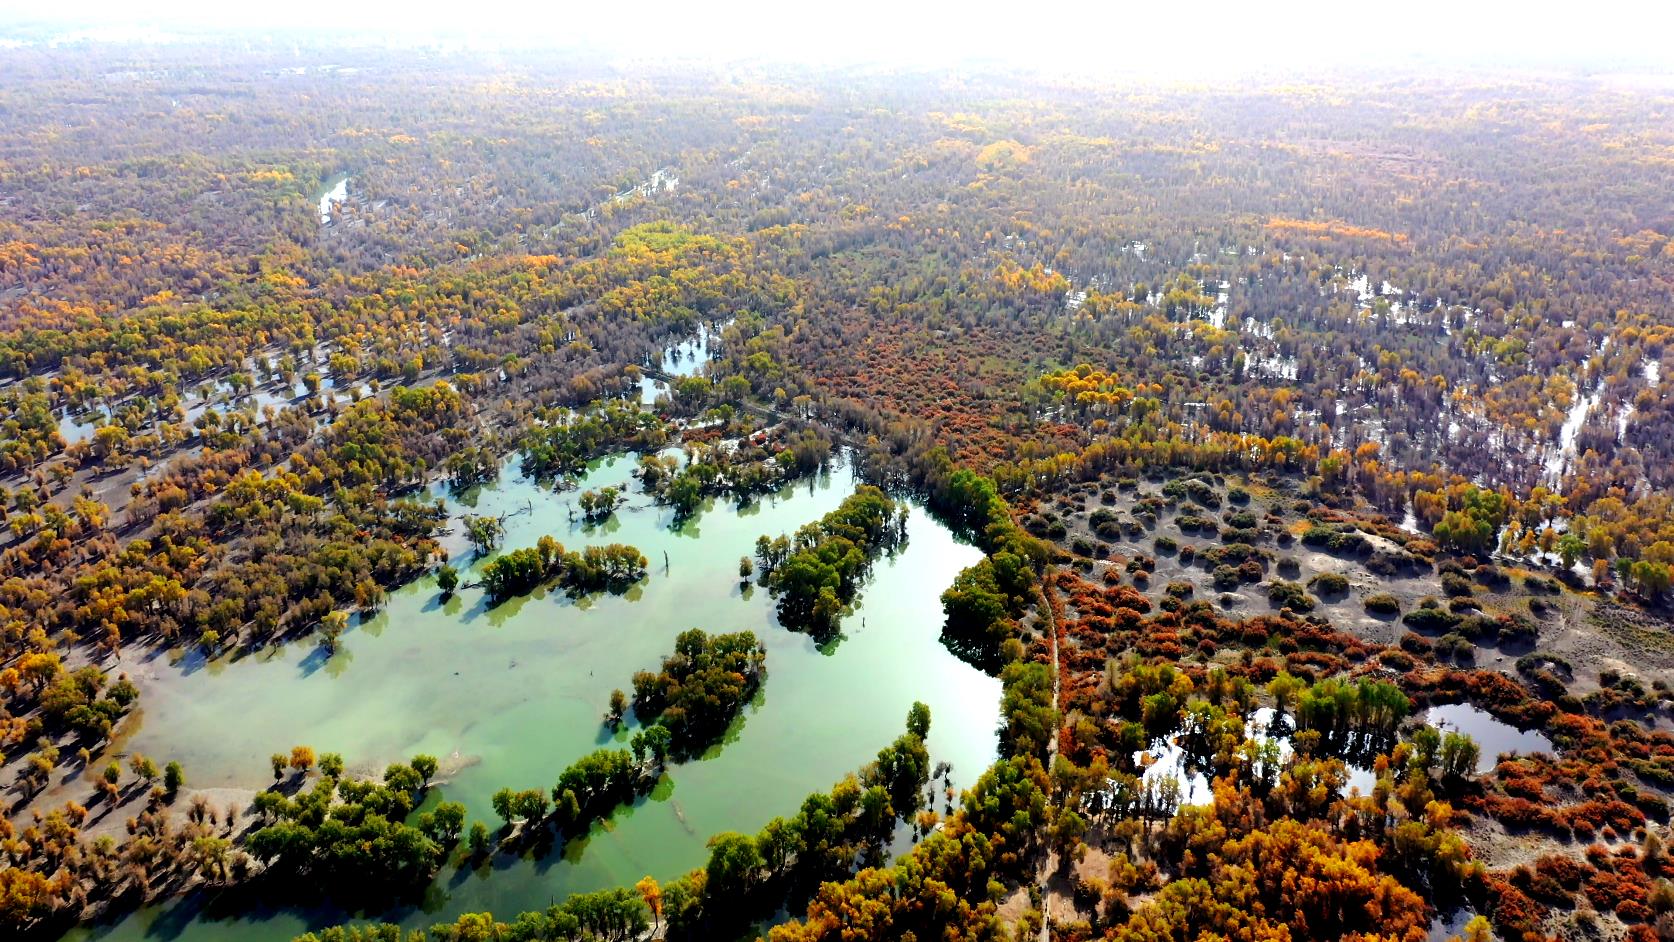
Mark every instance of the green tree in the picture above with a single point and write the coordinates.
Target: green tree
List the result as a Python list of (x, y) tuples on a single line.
[(174, 777), (734, 861), (425, 766), (1458, 756), (918, 720)]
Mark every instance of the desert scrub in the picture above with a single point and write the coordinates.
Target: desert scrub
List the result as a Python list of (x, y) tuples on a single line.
[(1289, 595), (1329, 583), (1382, 603)]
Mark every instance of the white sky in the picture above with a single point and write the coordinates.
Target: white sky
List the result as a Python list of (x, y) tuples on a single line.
[(1166, 36)]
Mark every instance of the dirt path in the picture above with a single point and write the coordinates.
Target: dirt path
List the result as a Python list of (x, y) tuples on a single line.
[(1049, 863)]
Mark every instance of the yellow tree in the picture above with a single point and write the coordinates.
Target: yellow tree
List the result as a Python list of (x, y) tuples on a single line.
[(653, 896)]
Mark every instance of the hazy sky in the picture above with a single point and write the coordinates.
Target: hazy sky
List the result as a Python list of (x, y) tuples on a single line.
[(1178, 38)]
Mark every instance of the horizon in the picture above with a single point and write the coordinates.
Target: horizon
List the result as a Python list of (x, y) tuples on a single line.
[(1215, 42)]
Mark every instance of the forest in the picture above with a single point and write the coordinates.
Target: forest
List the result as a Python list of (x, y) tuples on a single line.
[(1308, 440)]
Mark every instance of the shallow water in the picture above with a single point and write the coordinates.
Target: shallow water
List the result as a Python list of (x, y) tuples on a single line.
[(1167, 759), (684, 358), (336, 190), (509, 696), (1494, 736)]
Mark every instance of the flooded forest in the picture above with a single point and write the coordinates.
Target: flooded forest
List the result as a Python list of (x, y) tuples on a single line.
[(511, 497)]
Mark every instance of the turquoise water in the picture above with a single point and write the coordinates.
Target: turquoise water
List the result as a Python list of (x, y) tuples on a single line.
[(509, 696)]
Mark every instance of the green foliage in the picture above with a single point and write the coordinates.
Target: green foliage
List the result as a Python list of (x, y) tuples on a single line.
[(568, 439), (818, 579), (447, 579), (1289, 595), (982, 605), (1382, 603), (606, 916), (702, 686), (349, 835), (614, 566), (1029, 719)]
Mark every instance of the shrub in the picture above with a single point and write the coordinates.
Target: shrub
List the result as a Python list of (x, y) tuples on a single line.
[(1432, 620), (1456, 585), (1490, 575), (1396, 659), (1382, 603), (1455, 647), (1329, 583), (1241, 520), (1289, 595)]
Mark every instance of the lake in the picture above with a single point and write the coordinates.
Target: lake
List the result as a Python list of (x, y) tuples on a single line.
[(508, 696)]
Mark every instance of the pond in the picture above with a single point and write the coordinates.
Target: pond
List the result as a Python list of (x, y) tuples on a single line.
[(681, 359), (1494, 736), (80, 426), (1166, 758), (335, 190), (508, 696)]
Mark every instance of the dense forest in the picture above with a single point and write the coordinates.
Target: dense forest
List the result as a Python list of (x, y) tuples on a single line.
[(1281, 416)]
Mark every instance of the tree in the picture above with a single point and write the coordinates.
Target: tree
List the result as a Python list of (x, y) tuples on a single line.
[(1652, 578), (503, 806), (918, 720), (598, 505), (1570, 548), (653, 896), (302, 758), (1283, 688), (484, 533), (1458, 756), (447, 579), (702, 686), (173, 778), (733, 863), (279, 760), (1464, 532), (655, 739), (1026, 706), (425, 766), (143, 767), (618, 708), (332, 626), (977, 613)]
